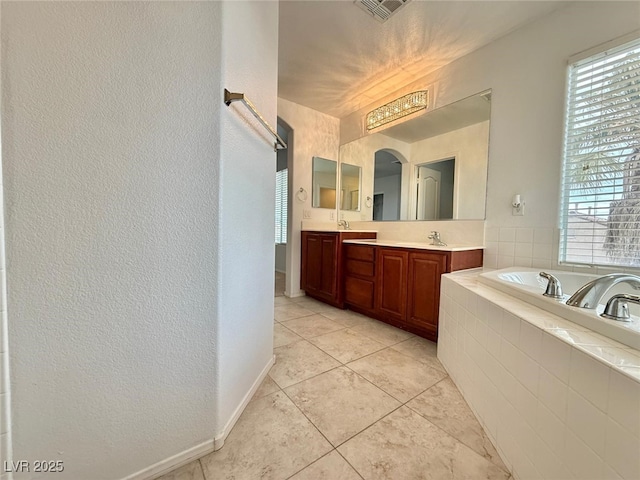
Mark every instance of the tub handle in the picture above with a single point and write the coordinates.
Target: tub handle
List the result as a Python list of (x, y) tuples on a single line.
[(554, 287), (617, 307)]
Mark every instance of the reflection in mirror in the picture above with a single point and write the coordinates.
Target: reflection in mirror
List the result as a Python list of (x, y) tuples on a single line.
[(350, 187), (387, 180), (434, 190), (432, 166), (324, 183)]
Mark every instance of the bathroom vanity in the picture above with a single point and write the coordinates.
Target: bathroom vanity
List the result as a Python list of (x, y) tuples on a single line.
[(395, 282), (399, 283), (321, 267)]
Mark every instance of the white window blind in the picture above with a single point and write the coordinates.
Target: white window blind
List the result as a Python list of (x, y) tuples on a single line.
[(600, 208), (281, 206)]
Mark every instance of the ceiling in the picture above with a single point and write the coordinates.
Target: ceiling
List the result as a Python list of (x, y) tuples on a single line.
[(335, 58)]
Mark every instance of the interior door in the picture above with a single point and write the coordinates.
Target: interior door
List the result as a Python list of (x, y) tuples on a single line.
[(428, 194)]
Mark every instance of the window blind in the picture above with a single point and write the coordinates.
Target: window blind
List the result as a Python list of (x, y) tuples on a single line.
[(600, 207), (281, 205)]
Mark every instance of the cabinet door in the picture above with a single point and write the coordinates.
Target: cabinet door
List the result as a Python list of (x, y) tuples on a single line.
[(391, 298), (424, 291), (311, 262), (328, 268)]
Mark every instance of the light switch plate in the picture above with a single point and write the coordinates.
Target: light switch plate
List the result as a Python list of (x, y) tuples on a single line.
[(332, 215), (518, 211), (306, 213)]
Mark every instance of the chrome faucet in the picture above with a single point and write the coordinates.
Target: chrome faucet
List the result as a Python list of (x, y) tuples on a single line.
[(345, 224), (435, 239), (590, 294), (617, 307), (554, 287)]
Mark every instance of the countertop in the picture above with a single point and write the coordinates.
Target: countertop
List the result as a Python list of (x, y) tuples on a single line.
[(418, 245)]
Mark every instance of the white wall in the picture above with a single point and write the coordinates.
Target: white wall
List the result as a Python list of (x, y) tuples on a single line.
[(248, 164), (526, 71), (469, 146), (130, 248), (314, 134), (390, 187)]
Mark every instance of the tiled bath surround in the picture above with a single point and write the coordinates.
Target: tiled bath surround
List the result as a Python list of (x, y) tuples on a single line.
[(557, 400), (535, 247)]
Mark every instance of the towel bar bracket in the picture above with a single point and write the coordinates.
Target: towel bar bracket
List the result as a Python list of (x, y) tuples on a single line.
[(230, 97)]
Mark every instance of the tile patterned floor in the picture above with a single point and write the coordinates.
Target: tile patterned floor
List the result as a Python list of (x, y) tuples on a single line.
[(350, 398)]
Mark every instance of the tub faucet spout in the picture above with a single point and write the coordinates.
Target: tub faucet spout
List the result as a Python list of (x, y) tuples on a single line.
[(554, 287), (590, 294)]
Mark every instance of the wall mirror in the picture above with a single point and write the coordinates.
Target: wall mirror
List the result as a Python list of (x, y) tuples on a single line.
[(431, 167), (350, 179), (324, 183)]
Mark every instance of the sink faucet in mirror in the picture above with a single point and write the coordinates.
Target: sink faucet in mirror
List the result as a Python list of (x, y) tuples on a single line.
[(345, 224)]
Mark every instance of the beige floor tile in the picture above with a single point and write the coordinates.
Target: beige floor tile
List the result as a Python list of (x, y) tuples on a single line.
[(403, 445), (272, 440), (288, 312), (267, 387), (444, 406), (422, 349), (346, 345), (281, 300), (312, 326), (283, 336), (190, 471), (381, 332), (346, 317), (330, 467), (341, 403), (315, 305), (401, 376), (299, 361)]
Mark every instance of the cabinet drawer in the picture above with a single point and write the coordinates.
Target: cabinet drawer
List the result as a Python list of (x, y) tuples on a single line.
[(358, 267), (360, 252), (359, 292)]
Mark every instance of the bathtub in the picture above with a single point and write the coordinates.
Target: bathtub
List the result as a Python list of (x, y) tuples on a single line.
[(525, 284)]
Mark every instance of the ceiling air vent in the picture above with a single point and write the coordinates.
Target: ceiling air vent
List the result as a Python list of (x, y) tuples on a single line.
[(381, 10)]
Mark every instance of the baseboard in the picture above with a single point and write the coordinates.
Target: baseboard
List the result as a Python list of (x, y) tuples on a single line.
[(299, 293), (176, 461), (218, 441)]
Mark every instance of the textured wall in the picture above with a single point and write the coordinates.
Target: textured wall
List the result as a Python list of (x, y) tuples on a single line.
[(246, 224), (110, 126), (315, 134)]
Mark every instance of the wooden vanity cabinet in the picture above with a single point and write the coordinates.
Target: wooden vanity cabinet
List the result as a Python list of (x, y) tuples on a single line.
[(321, 274), (404, 284)]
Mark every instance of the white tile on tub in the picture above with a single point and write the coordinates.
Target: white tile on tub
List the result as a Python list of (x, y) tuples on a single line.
[(624, 402), (507, 234), (524, 235), (581, 460), (555, 356), (506, 249), (511, 327), (541, 250), (621, 451), (590, 378), (586, 421), (505, 261), (523, 250), (526, 404), (491, 248), (553, 393), (523, 261), (491, 234), (528, 372), (509, 356), (548, 463), (530, 341), (551, 429), (490, 260), (542, 263), (494, 317), (580, 337), (543, 235)]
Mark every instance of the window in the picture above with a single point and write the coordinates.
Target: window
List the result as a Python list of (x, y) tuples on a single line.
[(281, 206), (600, 208)]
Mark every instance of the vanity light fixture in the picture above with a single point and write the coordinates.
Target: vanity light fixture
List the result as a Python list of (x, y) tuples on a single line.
[(397, 109)]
